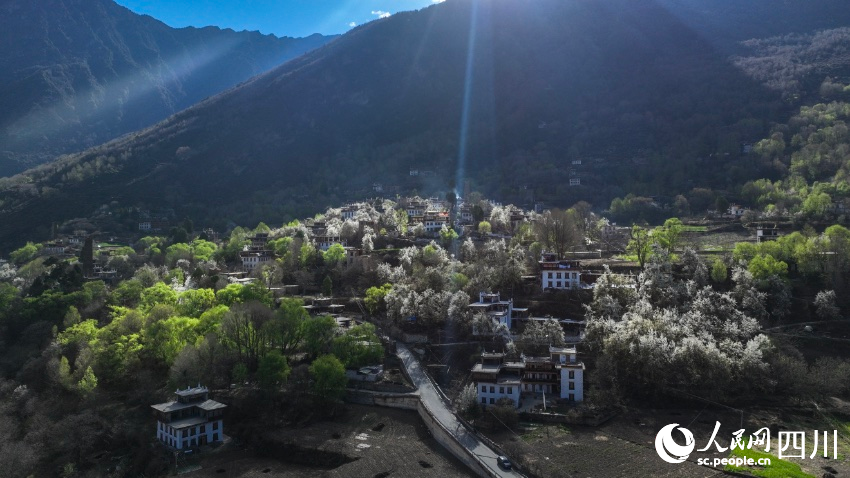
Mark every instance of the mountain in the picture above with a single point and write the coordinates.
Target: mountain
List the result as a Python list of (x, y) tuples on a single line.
[(725, 23), (517, 98), (77, 73)]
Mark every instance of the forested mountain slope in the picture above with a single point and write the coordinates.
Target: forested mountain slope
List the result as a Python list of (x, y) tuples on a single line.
[(77, 73)]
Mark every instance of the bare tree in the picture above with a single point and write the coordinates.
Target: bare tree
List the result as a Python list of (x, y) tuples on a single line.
[(559, 231)]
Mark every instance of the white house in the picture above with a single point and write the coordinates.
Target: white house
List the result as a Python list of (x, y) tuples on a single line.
[(495, 379), (502, 312), (323, 243), (252, 259), (348, 212), (558, 375), (434, 221), (560, 275), (190, 421)]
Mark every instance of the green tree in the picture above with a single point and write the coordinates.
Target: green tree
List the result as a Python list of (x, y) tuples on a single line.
[(166, 338), (317, 333), (273, 370), (375, 298), (25, 254), (484, 227), (640, 244), (334, 255), (328, 287), (719, 272), (669, 235), (194, 302), (285, 330), (203, 250), (358, 347), (721, 205), (88, 382), (763, 266), (447, 235), (239, 373), (329, 379), (158, 294)]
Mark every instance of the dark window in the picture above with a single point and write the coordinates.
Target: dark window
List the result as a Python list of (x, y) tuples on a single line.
[(492, 401), (185, 433), (510, 390), (483, 388), (215, 425), (501, 389), (572, 397), (572, 386), (492, 389), (483, 400), (203, 429), (572, 374)]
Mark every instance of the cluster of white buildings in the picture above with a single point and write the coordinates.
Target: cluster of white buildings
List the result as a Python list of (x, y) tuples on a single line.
[(559, 376)]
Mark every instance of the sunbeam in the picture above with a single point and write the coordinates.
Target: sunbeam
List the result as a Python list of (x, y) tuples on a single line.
[(467, 97)]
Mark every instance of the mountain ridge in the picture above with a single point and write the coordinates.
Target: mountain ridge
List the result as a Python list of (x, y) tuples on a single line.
[(626, 85), (75, 73)]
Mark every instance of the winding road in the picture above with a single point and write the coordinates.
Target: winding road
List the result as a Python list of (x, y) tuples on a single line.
[(440, 410)]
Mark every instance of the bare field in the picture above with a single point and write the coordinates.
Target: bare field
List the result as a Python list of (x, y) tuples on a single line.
[(625, 446), (380, 442)]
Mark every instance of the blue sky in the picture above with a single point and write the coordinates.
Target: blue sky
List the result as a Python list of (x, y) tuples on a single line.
[(296, 18)]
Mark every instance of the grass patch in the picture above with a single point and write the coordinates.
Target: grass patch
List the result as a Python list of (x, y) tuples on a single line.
[(777, 468)]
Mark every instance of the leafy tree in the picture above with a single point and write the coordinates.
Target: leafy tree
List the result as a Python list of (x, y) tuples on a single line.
[(166, 338), (669, 235), (763, 266), (244, 330), (281, 246), (211, 319), (640, 244), (329, 379), (484, 227), (447, 235), (158, 294), (25, 254), (194, 302), (327, 286), (335, 255), (273, 370), (88, 382), (375, 296), (285, 330), (242, 294), (239, 373), (178, 235), (203, 250), (721, 205), (358, 347), (719, 273), (317, 333)]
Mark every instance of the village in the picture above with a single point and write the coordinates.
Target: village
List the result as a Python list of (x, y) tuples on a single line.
[(489, 301)]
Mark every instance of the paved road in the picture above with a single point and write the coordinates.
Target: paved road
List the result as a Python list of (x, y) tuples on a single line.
[(439, 409)]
